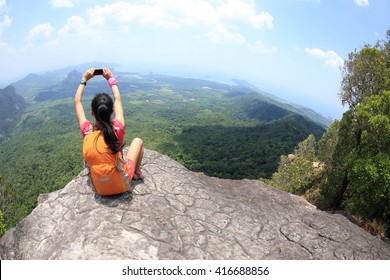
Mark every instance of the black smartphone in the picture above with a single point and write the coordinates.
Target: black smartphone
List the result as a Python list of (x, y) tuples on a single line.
[(98, 72)]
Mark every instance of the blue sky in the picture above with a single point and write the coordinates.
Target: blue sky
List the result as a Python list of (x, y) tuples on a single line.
[(290, 48)]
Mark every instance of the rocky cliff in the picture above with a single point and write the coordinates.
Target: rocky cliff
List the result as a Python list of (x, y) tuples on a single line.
[(179, 214)]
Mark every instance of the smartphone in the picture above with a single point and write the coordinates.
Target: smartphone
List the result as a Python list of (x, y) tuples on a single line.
[(98, 72)]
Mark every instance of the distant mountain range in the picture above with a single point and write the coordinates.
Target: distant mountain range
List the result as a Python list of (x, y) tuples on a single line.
[(63, 83)]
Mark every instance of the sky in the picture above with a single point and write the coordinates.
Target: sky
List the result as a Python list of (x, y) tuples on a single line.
[(292, 49)]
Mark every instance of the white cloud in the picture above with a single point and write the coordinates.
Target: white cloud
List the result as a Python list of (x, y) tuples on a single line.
[(308, 1), (221, 35), (75, 24), (362, 3), (166, 14), (5, 49), (260, 47), (41, 30), (3, 4), (331, 57), (61, 3), (244, 12), (5, 22), (220, 20)]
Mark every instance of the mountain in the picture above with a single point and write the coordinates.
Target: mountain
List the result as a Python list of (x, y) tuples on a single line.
[(61, 73), (11, 108), (30, 86), (177, 214), (65, 88), (299, 109), (57, 84), (238, 152), (32, 83)]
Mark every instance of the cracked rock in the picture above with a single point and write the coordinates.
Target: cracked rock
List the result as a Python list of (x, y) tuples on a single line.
[(178, 214)]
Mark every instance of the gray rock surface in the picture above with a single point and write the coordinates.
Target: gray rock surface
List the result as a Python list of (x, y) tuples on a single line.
[(179, 214)]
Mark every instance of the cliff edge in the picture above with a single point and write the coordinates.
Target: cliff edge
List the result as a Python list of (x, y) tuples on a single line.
[(179, 214)]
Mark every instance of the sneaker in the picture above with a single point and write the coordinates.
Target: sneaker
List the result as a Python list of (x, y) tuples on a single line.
[(138, 176)]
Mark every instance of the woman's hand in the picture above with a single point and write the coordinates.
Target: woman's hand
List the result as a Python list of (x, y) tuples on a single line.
[(107, 73), (88, 74)]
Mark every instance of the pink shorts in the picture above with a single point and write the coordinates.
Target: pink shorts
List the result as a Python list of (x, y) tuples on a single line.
[(131, 166)]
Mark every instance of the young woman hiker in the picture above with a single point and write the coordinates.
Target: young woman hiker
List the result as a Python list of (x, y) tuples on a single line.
[(103, 141)]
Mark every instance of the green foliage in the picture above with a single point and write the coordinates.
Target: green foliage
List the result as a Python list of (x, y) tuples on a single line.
[(293, 176), (263, 111), (370, 187), (307, 148), (365, 73), (8, 207), (298, 172), (3, 229), (11, 106), (374, 117), (328, 142), (357, 177), (368, 164), (334, 187), (240, 152)]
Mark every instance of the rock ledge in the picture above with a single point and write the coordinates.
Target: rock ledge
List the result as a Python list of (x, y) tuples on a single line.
[(179, 214)]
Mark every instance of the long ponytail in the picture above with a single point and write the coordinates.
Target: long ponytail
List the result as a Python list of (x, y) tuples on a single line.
[(102, 107)]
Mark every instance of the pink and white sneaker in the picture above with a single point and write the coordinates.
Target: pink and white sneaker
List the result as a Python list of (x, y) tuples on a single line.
[(138, 176)]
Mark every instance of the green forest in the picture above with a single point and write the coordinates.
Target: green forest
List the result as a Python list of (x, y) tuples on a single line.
[(348, 168)]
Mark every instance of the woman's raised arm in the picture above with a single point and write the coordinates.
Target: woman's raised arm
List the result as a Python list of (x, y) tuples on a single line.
[(118, 109), (80, 114)]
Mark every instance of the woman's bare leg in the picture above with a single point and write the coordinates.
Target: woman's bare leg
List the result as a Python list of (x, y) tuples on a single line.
[(136, 153)]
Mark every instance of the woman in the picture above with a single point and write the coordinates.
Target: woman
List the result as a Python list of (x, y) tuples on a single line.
[(109, 134)]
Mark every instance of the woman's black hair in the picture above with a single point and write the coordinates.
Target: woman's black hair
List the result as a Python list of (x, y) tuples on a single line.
[(102, 107)]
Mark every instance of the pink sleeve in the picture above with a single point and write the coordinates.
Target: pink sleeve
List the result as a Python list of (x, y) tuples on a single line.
[(85, 128), (119, 130)]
